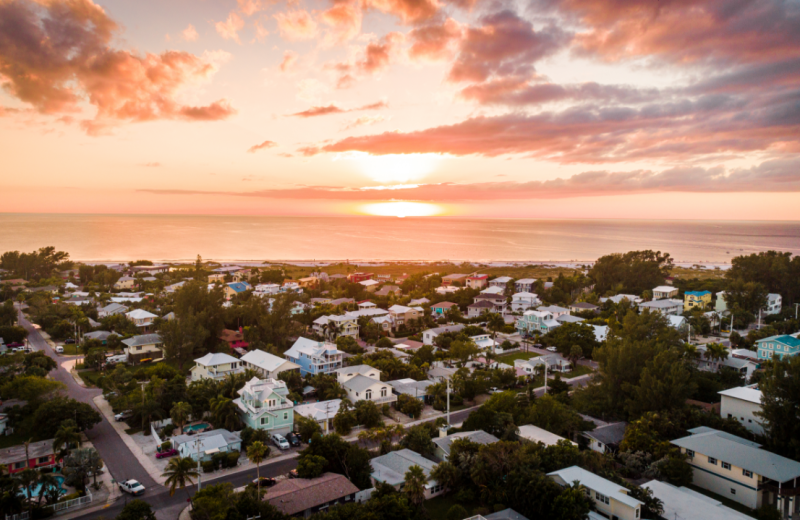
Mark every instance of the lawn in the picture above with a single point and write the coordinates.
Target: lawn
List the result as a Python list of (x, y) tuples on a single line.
[(71, 350), (91, 376), (438, 507), (578, 370), (508, 359)]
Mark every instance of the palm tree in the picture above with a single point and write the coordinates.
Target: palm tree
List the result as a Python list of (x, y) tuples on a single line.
[(716, 352), (28, 478), (445, 474), (180, 414), (225, 414), (150, 409), (690, 351), (495, 323), (257, 452), (414, 487), (50, 487), (179, 471), (66, 436)]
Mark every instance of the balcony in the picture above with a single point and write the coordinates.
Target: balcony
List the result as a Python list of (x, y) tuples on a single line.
[(785, 491), (383, 400)]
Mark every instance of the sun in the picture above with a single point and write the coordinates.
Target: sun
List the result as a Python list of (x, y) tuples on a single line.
[(393, 167), (402, 209)]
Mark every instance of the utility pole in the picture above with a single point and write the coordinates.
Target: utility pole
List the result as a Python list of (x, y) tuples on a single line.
[(796, 305), (759, 319), (545, 378), (143, 383), (448, 400), (199, 473)]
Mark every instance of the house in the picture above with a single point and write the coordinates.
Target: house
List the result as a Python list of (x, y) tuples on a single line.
[(125, 282), (696, 299), (500, 281), (143, 346), (301, 497), (264, 405), (555, 310), (606, 439), (720, 305), (444, 441), (663, 292), (266, 289), (531, 433), (369, 285), (99, 335), (267, 365), (342, 301), (505, 514), (408, 345), (536, 322), (447, 290), (682, 502), (429, 335), (174, 287), (216, 277), (314, 357), (666, 307), (363, 383), (321, 412), (386, 290), (392, 467), (620, 297), (569, 318), (742, 403), (336, 326), (677, 322), (524, 285), (523, 301), (441, 308), (778, 346), (216, 366), (440, 374), (554, 363), (454, 279), (204, 445), (480, 307), (37, 456), (233, 288), (774, 303), (359, 277), (110, 310), (141, 318), (494, 290), (234, 338), (402, 315), (419, 301), (610, 499), (150, 269), (416, 389), (600, 332), (583, 307), (738, 469), (498, 299)]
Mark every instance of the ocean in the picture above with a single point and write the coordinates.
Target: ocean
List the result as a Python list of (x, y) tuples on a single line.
[(101, 238)]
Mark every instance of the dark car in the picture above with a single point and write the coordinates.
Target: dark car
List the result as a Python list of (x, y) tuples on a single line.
[(265, 482), (166, 454), (69, 341), (293, 438)]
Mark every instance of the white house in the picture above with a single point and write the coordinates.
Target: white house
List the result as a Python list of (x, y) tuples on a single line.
[(524, 285), (216, 366), (494, 289), (205, 444), (555, 310), (267, 365), (600, 332), (141, 318), (619, 297), (392, 467), (429, 335), (554, 363), (774, 303), (610, 499), (341, 325), (110, 310), (531, 433), (363, 382), (321, 412), (443, 442), (668, 307), (742, 403), (685, 503), (522, 301), (663, 292), (500, 281), (266, 289)]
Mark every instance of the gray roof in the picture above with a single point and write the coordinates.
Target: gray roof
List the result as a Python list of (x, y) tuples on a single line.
[(391, 468), (611, 434), (414, 389), (596, 483), (447, 328), (479, 436), (112, 307), (360, 383), (739, 452), (143, 339), (17, 453), (584, 305), (102, 335), (227, 436), (505, 514), (441, 372)]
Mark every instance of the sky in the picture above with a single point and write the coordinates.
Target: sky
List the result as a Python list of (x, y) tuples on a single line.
[(662, 109)]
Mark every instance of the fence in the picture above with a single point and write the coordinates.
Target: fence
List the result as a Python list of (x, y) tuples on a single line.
[(21, 516), (69, 504)]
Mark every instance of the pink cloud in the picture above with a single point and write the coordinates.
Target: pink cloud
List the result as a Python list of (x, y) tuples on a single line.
[(345, 21), (229, 29), (434, 41), (408, 11), (262, 146), (190, 33), (333, 109), (289, 61), (296, 25)]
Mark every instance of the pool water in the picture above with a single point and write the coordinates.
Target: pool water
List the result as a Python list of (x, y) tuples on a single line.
[(196, 427), (38, 487)]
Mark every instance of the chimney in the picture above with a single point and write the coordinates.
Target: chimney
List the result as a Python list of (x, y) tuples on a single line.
[(443, 431)]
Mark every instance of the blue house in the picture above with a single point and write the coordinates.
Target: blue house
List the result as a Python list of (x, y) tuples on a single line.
[(264, 405), (778, 346), (315, 357)]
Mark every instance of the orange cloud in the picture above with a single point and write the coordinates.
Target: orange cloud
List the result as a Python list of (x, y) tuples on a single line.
[(289, 61), (333, 109), (262, 146), (409, 11), (229, 29), (344, 19), (434, 41), (296, 25), (376, 57)]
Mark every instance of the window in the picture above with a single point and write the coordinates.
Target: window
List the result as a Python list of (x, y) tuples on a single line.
[(733, 491), (726, 465), (747, 473), (20, 465), (601, 498), (43, 460), (285, 415), (637, 513), (690, 454), (730, 416), (383, 392), (265, 420), (712, 460), (368, 394)]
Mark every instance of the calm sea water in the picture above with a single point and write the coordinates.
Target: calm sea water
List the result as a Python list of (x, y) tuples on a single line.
[(242, 238)]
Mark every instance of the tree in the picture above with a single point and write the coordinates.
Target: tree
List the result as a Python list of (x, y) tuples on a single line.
[(257, 452), (180, 415), (95, 358), (552, 415), (306, 427), (446, 474), (32, 389), (179, 471), (183, 338), (665, 381), (311, 466), (368, 414), (496, 323), (747, 296), (225, 413), (457, 512), (66, 436), (780, 406), (348, 344), (79, 464), (28, 479), (575, 353), (778, 272), (571, 504), (51, 414), (463, 350), (384, 343), (345, 418), (418, 439), (414, 487), (137, 509), (632, 272), (568, 335)]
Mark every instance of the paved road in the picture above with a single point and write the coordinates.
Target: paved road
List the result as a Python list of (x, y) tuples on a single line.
[(118, 458)]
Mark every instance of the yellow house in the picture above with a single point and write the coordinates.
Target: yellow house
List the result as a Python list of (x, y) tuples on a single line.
[(126, 282), (217, 277), (696, 299)]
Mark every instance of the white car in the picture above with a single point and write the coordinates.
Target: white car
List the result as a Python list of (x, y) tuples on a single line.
[(132, 486), (280, 441), (552, 349), (59, 349), (123, 415)]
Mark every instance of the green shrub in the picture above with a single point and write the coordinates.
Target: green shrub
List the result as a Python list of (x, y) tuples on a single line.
[(166, 445), (208, 466), (232, 459), (457, 512), (218, 459), (169, 430)]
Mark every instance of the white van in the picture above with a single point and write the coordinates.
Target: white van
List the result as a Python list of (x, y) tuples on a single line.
[(59, 349), (280, 441)]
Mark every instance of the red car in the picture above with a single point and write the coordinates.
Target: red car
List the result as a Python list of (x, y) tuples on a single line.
[(166, 454)]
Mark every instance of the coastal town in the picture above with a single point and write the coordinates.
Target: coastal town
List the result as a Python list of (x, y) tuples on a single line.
[(625, 388)]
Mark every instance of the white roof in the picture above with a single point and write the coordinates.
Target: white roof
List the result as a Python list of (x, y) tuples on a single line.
[(665, 288), (264, 360), (493, 290), (596, 483), (140, 314), (553, 309), (744, 393), (684, 504), (539, 314), (502, 279), (365, 305), (215, 359), (400, 308), (526, 280), (536, 434), (310, 348), (319, 410), (369, 283), (525, 296), (676, 321)]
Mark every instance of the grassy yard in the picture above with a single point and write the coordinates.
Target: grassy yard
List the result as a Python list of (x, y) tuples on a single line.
[(508, 359), (72, 350), (578, 370), (90, 376), (438, 507)]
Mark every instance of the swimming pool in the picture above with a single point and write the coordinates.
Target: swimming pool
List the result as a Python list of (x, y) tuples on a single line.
[(37, 489), (196, 427)]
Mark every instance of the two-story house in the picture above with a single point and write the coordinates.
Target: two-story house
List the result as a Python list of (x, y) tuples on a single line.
[(696, 299), (125, 282), (233, 288), (363, 383), (739, 470), (110, 310), (429, 335), (668, 307), (401, 314), (314, 357), (524, 285), (555, 310), (523, 301), (662, 292), (143, 346), (441, 308), (216, 366), (454, 279), (774, 304), (264, 405), (267, 365), (141, 318), (536, 322), (778, 346), (742, 404), (610, 499), (336, 326), (500, 281)]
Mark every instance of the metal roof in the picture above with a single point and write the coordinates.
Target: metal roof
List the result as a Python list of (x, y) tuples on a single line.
[(141, 340), (478, 436), (391, 468), (596, 483)]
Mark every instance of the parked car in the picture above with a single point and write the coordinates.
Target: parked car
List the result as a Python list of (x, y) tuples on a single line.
[(59, 349), (494, 390), (552, 349), (293, 474), (294, 439), (69, 341), (123, 415), (167, 453), (265, 481), (280, 441), (133, 487)]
